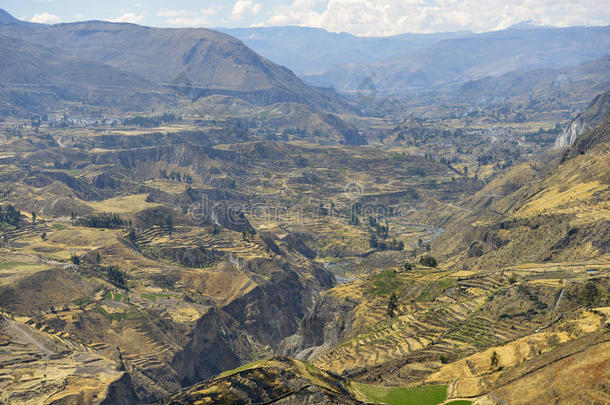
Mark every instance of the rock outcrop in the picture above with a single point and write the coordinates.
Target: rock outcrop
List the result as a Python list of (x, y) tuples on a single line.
[(590, 118)]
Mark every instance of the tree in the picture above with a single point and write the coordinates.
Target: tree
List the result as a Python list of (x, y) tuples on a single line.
[(43, 236), (374, 242), (428, 261), (494, 360), (116, 276), (75, 259), (132, 236), (591, 293), (392, 305), (170, 224), (33, 217), (408, 266)]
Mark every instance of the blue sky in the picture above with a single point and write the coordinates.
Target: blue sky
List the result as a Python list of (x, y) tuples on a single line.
[(359, 17)]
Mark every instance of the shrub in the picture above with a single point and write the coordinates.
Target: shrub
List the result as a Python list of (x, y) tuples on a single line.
[(494, 360), (392, 305), (101, 221), (428, 261), (75, 259), (116, 276)]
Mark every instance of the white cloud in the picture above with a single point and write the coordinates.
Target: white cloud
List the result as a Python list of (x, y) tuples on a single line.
[(388, 17), (45, 18), (244, 9), (184, 18), (130, 18)]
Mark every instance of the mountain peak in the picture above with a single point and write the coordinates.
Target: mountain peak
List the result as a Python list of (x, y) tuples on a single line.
[(528, 25), (6, 19)]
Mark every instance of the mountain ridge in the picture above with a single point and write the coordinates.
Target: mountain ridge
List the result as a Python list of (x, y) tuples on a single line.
[(196, 62)]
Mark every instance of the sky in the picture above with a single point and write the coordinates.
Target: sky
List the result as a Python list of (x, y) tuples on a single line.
[(358, 17)]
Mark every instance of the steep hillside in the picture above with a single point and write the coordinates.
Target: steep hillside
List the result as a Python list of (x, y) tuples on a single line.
[(34, 78), (278, 380), (6, 19), (590, 118), (197, 62), (552, 210)]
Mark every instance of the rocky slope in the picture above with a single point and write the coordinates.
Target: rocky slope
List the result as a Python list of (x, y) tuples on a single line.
[(553, 210), (594, 115), (276, 380)]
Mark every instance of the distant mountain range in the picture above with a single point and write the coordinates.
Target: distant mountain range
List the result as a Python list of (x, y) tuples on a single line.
[(182, 65), (196, 62), (313, 51), (573, 84), (410, 62)]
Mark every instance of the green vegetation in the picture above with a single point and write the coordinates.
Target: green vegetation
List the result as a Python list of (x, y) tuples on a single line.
[(392, 305), (113, 296), (590, 293), (12, 265), (58, 227), (425, 395), (116, 276), (82, 302), (459, 402), (10, 215), (75, 259), (149, 122), (104, 220), (115, 316), (154, 296), (236, 370), (494, 360), (436, 288), (428, 261), (384, 283)]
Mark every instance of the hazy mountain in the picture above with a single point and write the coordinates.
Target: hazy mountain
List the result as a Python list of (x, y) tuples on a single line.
[(199, 62), (35, 78), (455, 61), (573, 83), (308, 50), (6, 18)]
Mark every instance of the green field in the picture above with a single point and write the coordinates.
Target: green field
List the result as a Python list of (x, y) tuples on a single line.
[(243, 367), (12, 265), (384, 283), (425, 395)]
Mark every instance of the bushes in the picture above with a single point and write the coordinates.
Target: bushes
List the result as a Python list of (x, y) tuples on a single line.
[(428, 261), (392, 305), (10, 215), (101, 221), (75, 259), (116, 276)]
